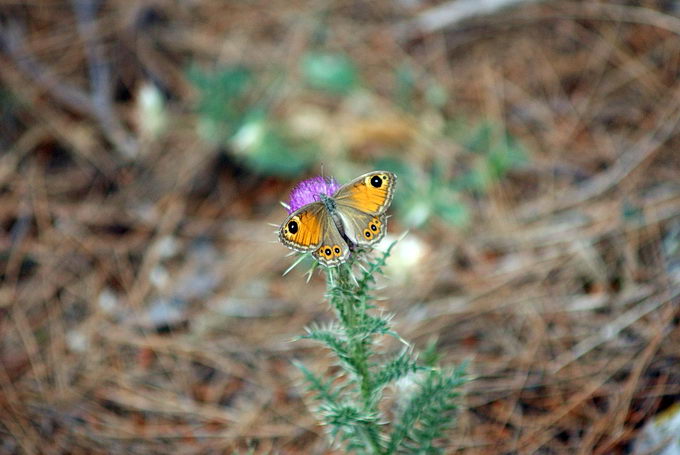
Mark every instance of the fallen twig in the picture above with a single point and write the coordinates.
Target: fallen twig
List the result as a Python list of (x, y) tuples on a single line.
[(640, 153), (96, 106), (611, 330), (452, 13)]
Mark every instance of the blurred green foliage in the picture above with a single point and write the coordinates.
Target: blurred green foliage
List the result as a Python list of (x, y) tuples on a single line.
[(498, 151), (333, 73), (269, 148), (233, 114), (426, 194), (423, 195), (230, 115), (404, 91)]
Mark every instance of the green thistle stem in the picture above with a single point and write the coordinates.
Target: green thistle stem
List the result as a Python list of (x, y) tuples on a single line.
[(352, 313)]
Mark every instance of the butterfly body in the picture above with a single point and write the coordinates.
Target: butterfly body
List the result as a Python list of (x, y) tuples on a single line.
[(332, 226)]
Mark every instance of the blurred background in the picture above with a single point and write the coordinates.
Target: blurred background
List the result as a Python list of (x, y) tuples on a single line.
[(145, 146)]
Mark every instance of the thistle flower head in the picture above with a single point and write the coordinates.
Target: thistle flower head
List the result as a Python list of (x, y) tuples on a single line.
[(308, 191)]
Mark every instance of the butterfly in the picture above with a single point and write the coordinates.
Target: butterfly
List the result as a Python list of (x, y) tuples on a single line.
[(334, 225)]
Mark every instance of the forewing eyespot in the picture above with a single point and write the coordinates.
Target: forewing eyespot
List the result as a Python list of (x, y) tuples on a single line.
[(292, 227)]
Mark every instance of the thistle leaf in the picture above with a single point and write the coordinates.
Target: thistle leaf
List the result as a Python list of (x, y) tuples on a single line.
[(428, 413), (399, 367)]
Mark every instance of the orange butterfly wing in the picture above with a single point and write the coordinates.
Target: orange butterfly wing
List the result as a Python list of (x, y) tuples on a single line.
[(370, 194), (333, 249), (303, 229), (361, 205)]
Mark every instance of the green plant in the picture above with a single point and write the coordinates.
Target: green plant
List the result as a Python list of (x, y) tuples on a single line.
[(427, 195), (330, 72), (493, 151), (231, 115), (348, 402), (489, 153)]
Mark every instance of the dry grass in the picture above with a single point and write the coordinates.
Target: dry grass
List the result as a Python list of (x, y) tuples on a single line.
[(567, 309)]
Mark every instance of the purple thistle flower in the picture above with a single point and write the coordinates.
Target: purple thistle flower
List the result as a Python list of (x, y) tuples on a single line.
[(308, 191)]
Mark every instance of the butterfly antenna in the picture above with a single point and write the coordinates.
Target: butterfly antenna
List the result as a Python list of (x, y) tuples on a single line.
[(273, 225), (286, 206), (297, 261)]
